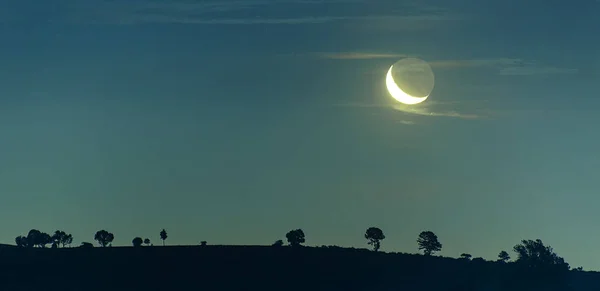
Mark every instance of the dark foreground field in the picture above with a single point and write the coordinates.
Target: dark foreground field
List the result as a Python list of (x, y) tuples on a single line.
[(264, 268)]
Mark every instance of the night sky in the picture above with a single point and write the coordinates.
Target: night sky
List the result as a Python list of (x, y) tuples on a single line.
[(236, 121)]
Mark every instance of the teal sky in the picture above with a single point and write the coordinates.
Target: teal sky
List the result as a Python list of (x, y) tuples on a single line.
[(236, 121)]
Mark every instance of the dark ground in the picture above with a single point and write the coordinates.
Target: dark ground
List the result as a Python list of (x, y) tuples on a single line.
[(174, 268)]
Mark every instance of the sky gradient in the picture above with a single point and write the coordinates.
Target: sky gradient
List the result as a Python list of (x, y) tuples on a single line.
[(236, 121)]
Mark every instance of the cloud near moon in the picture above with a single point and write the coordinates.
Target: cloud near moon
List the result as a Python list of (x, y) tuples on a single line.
[(432, 109), (417, 77), (427, 110)]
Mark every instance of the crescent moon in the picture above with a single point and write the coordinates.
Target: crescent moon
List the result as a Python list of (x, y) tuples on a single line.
[(398, 94)]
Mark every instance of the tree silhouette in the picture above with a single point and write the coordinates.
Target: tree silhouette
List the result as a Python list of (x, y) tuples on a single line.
[(57, 237), (278, 243), (534, 254), (137, 242), (37, 238), (295, 237), (104, 237), (33, 238), (44, 239), (147, 241), (61, 238), (163, 236), (428, 242), (22, 241), (32, 235), (374, 236), (68, 240), (503, 256), (465, 256), (539, 266), (203, 243)]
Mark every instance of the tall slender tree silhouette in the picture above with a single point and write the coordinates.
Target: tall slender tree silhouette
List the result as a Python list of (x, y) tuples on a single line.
[(163, 236)]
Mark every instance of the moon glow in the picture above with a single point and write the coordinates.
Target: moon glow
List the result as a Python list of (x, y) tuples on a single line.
[(413, 83)]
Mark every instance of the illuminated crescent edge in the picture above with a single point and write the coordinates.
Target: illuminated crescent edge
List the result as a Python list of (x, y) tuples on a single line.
[(398, 94)]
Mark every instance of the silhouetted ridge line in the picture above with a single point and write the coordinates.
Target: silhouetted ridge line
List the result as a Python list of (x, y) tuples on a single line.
[(142, 266)]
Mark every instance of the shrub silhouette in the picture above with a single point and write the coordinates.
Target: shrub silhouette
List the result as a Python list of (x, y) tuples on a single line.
[(538, 266), (21, 241), (428, 242), (104, 237), (534, 254), (465, 256), (86, 245), (374, 236), (137, 242), (147, 241), (278, 243), (295, 237)]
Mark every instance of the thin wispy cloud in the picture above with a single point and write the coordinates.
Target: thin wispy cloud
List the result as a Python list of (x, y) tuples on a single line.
[(359, 56), (201, 7), (506, 66), (235, 12), (544, 70), (186, 19), (495, 62), (502, 66), (139, 19)]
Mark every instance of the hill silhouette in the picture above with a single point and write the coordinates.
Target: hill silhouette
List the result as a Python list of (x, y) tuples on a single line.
[(278, 267)]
